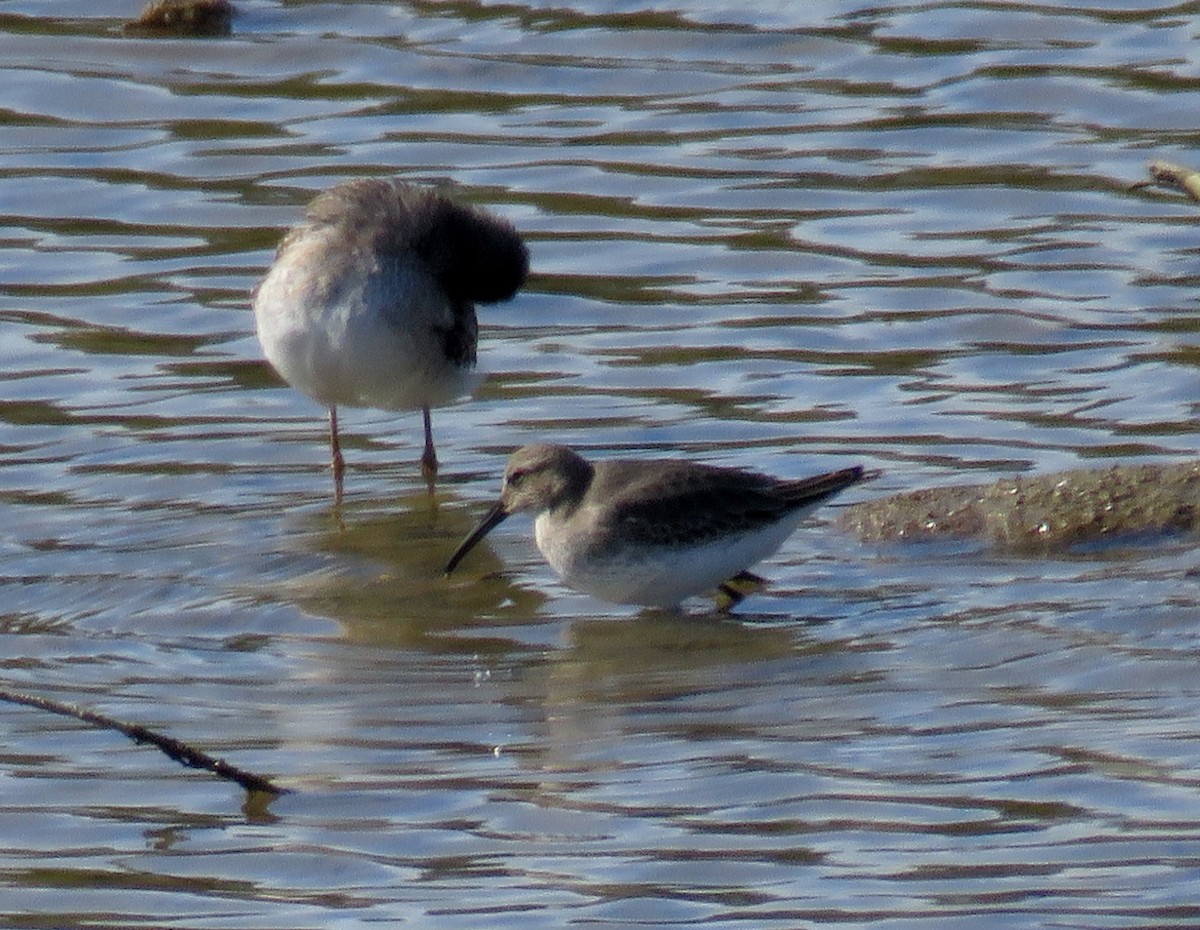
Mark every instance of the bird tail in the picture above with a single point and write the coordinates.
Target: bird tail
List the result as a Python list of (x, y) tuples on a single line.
[(809, 491)]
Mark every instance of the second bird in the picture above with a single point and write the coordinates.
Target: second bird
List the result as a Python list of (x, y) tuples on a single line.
[(655, 531), (370, 301)]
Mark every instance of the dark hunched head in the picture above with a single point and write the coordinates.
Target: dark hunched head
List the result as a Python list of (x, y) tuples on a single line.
[(475, 256)]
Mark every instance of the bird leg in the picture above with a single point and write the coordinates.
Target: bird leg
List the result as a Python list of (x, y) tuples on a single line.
[(338, 463), (737, 587), (732, 597), (429, 462)]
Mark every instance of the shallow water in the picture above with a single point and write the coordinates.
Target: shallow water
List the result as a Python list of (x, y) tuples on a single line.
[(789, 236)]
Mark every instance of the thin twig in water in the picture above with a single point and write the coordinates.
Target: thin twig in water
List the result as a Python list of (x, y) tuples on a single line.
[(179, 751), (1176, 177)]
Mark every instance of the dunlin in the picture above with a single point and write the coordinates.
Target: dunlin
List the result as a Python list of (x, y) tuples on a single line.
[(652, 532), (370, 301)]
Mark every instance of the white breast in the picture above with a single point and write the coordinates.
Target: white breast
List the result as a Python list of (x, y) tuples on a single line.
[(345, 330), (659, 576)]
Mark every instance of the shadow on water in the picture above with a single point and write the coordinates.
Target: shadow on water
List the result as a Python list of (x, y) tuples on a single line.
[(383, 580)]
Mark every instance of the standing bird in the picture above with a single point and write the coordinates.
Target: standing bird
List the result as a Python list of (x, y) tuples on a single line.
[(370, 301), (652, 532)]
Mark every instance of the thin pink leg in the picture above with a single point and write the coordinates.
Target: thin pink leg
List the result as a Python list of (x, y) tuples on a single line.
[(338, 463), (429, 462)]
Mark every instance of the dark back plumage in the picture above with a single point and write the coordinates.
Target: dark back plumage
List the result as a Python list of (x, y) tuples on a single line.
[(719, 502)]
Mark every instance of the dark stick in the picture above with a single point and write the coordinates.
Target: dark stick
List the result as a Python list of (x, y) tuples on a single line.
[(1176, 177), (179, 751)]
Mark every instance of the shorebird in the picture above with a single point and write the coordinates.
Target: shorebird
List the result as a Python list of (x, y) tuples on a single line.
[(652, 532), (370, 301)]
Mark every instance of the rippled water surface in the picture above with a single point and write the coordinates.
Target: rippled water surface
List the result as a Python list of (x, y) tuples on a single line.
[(781, 235)]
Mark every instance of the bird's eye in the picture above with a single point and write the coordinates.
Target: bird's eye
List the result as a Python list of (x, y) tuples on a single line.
[(515, 477)]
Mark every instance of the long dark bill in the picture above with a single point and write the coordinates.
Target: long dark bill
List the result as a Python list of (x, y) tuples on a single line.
[(494, 518)]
